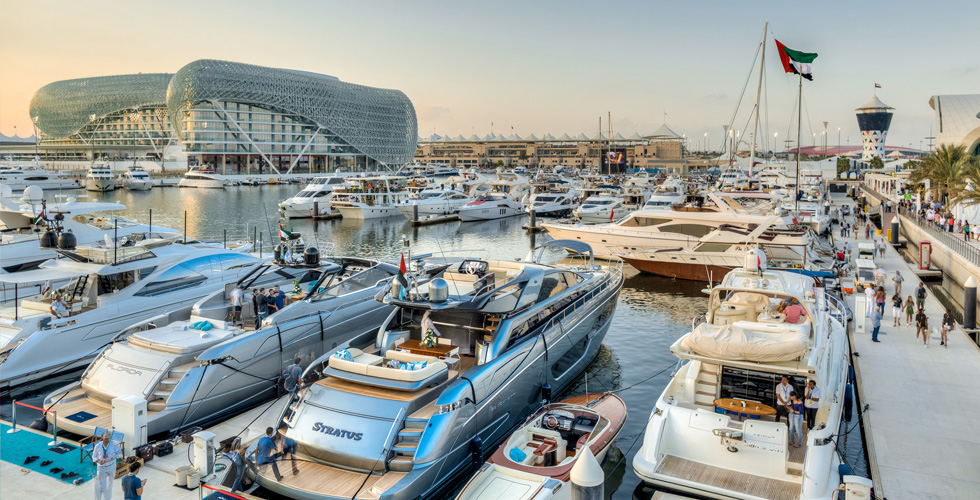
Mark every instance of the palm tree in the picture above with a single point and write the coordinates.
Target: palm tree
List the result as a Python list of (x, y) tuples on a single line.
[(969, 194), (944, 169)]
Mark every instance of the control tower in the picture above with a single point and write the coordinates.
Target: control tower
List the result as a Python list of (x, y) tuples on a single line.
[(874, 118)]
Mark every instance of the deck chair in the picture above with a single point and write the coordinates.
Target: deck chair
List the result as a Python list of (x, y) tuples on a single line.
[(452, 357), (88, 442)]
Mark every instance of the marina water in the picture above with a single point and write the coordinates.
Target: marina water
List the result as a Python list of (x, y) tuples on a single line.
[(653, 312)]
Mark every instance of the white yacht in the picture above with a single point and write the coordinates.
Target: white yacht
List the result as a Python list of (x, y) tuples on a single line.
[(136, 179), (603, 207), (505, 199), (711, 432), (554, 198), (19, 178), (434, 202), (371, 197), (732, 177), (440, 170), (110, 289), (810, 214), (99, 178), (314, 200), (671, 191), (202, 178)]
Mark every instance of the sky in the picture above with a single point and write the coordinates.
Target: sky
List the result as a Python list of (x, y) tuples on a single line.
[(531, 67)]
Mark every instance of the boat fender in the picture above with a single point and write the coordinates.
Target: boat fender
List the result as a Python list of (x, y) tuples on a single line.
[(476, 451), (843, 470)]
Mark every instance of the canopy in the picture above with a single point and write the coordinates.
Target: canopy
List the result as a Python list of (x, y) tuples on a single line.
[(41, 274), (780, 342)]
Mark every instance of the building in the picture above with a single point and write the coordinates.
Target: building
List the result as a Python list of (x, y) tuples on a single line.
[(958, 120), (874, 118), (238, 118)]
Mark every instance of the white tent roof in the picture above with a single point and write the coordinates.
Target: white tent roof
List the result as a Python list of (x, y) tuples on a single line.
[(434, 138), (598, 137), (565, 137), (581, 137), (665, 132), (531, 138), (619, 137), (514, 137), (460, 137), (474, 137), (635, 137), (549, 137), (895, 154)]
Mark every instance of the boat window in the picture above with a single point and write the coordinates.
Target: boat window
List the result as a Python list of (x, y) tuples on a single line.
[(199, 265), (696, 230), (235, 261), (176, 278), (712, 247), (304, 194), (344, 283), (26, 266), (639, 221), (753, 385)]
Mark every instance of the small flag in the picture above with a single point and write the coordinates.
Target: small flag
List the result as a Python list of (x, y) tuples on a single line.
[(37, 220), (612, 214), (877, 86), (284, 234), (402, 270), (796, 62)]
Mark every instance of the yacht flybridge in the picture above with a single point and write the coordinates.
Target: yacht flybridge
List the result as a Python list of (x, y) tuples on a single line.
[(371, 197), (99, 178), (394, 413), (505, 199), (711, 432), (135, 178)]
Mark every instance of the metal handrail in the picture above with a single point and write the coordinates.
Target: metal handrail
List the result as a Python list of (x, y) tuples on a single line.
[(950, 240)]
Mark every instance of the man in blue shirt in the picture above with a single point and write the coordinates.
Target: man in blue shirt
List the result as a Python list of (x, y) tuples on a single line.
[(293, 376), (132, 486), (876, 324), (265, 452), (288, 446), (280, 297)]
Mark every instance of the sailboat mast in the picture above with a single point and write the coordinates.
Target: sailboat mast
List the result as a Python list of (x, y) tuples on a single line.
[(799, 145), (609, 138), (758, 95), (600, 145)]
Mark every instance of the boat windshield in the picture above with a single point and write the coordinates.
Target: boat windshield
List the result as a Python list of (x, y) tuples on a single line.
[(351, 278)]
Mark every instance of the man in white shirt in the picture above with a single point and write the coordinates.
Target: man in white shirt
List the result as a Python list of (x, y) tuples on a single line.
[(869, 300), (811, 403), (104, 454), (783, 391), (236, 301)]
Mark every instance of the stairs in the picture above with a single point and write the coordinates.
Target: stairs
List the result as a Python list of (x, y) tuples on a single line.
[(158, 397), (406, 444), (706, 385)]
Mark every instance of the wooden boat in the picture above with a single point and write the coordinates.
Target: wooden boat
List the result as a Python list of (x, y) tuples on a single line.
[(537, 459)]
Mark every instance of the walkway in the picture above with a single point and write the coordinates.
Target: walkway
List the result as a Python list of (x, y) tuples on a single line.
[(920, 426)]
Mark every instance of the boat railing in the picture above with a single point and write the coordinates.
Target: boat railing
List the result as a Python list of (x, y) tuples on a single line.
[(570, 308), (837, 308)]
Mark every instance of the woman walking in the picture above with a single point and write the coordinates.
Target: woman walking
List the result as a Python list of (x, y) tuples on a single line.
[(909, 311), (947, 327), (880, 300), (796, 410), (896, 309)]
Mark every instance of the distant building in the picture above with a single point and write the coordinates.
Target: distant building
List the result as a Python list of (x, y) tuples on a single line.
[(958, 120), (874, 118)]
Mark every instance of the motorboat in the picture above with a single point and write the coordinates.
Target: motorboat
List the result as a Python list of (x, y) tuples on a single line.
[(433, 202), (536, 460), (21, 177), (554, 198), (733, 177), (505, 199), (315, 199), (811, 214), (711, 432), (395, 413), (136, 179), (204, 177), (109, 290), (189, 376), (99, 178), (440, 170), (603, 207), (371, 197), (678, 227), (671, 191)]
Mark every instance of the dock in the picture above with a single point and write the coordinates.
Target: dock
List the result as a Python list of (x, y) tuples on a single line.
[(922, 401), (433, 219)]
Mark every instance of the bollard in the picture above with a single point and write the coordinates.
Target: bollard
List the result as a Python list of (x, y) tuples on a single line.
[(316, 208), (894, 230), (415, 213), (54, 432), (13, 419), (531, 225), (587, 477), (970, 304)]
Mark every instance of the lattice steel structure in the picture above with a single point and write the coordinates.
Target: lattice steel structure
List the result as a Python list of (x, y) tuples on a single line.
[(224, 108)]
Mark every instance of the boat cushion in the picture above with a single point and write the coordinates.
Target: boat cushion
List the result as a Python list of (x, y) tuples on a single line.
[(517, 455), (407, 357)]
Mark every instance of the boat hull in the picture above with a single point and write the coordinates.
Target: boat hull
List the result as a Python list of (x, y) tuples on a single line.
[(678, 270), (100, 185), (467, 214), (202, 183), (367, 211), (134, 185)]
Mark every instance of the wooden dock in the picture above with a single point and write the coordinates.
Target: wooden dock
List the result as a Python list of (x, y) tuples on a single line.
[(433, 219)]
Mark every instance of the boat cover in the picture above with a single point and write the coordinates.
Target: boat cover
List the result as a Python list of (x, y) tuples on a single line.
[(771, 342)]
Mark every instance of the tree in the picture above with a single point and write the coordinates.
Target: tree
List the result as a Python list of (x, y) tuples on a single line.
[(944, 169), (876, 163), (843, 164), (969, 192)]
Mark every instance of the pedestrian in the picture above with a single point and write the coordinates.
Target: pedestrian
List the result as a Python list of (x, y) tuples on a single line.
[(881, 246), (897, 280), (867, 231), (783, 390), (270, 302), (132, 486), (869, 301), (880, 277), (261, 304), (104, 454), (796, 409), (966, 231), (922, 326), (947, 327), (287, 446), (812, 402), (909, 311), (880, 300), (876, 316), (976, 231), (920, 296), (897, 309), (280, 298), (237, 295), (265, 452), (237, 457), (292, 376)]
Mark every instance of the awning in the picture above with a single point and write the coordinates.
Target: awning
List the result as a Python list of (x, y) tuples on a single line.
[(53, 273)]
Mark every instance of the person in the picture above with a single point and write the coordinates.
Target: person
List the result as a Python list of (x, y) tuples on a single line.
[(966, 231), (922, 325), (880, 300), (947, 327), (881, 247), (897, 309), (909, 311), (132, 486), (793, 312), (876, 324), (867, 231), (261, 304), (287, 446), (869, 301), (812, 402), (280, 297), (104, 454), (920, 296), (270, 302), (880, 277), (976, 231), (249, 315), (293, 376), (796, 410), (236, 301), (265, 452), (897, 280), (58, 308), (783, 390), (237, 457)]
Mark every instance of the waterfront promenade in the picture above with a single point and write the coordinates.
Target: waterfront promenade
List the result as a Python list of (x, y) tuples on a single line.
[(922, 401)]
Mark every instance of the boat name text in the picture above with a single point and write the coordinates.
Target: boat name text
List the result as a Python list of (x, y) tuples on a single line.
[(326, 429)]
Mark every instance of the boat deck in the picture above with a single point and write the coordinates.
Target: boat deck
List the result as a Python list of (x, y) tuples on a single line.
[(740, 482), (324, 479)]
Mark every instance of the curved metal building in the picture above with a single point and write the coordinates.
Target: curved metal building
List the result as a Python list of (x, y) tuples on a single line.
[(221, 108)]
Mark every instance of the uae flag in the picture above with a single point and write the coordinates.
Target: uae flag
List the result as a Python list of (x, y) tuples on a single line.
[(284, 234), (402, 270), (38, 219), (796, 62)]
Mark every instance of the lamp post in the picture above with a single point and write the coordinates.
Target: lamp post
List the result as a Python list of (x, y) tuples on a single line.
[(37, 138), (838, 141), (705, 142), (775, 143)]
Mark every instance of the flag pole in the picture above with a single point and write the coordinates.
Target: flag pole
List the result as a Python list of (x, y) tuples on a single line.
[(799, 145)]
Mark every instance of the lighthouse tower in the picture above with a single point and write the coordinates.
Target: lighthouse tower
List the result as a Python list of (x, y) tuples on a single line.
[(874, 119)]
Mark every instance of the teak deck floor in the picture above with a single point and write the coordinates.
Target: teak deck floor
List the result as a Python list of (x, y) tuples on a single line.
[(741, 482), (323, 479)]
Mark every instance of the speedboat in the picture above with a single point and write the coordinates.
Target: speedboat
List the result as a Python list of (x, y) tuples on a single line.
[(553, 198), (433, 202), (109, 289), (190, 374), (99, 178), (21, 177), (668, 193), (136, 179), (371, 197), (440, 170), (537, 460), (395, 414), (601, 208), (711, 432), (504, 199), (202, 178), (314, 200)]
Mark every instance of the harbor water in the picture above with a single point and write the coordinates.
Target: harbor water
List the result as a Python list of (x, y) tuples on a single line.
[(653, 312)]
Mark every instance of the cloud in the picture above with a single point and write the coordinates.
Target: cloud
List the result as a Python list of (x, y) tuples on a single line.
[(433, 112)]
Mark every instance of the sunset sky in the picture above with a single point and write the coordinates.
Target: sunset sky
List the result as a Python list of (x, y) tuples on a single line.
[(539, 67)]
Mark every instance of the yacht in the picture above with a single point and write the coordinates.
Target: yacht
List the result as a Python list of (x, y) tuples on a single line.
[(20, 177), (671, 191), (99, 178), (711, 432), (314, 200), (395, 414), (440, 170), (810, 214), (505, 199), (603, 207), (433, 202), (554, 198), (371, 197), (136, 179), (202, 178), (109, 289), (677, 227), (190, 376), (732, 177)]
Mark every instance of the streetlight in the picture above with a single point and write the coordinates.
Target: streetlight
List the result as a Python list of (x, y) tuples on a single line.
[(37, 138), (706, 142), (775, 143)]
